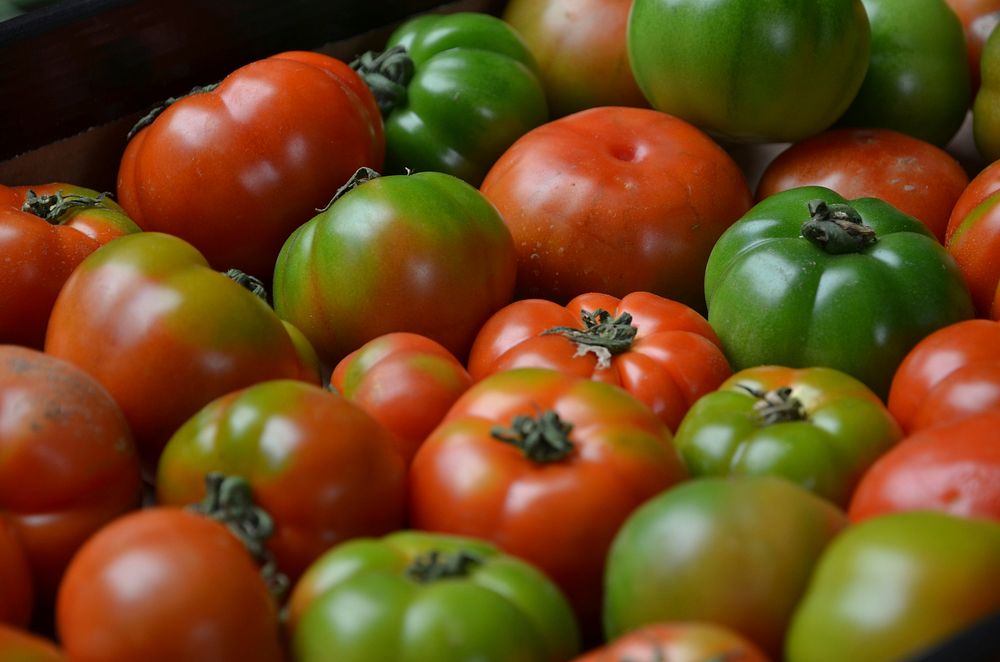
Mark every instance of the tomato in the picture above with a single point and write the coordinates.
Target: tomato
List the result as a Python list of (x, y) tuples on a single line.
[(974, 243), (580, 49), (406, 381), (807, 278), (985, 183), (322, 468), (677, 642), (455, 90), (615, 200), (978, 18), (166, 584), (915, 177), (68, 464), (985, 116), (952, 373), (165, 334), (952, 467), (662, 352), (18, 645), (918, 80), (44, 235), (413, 596), (817, 427), (424, 253), (234, 169), (737, 552), (526, 457), (750, 70), (17, 594), (888, 587)]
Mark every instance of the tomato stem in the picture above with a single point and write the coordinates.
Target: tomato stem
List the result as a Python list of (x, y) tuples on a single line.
[(252, 283), (837, 228), (155, 112), (229, 500), (386, 74), (436, 565), (54, 208), (544, 438), (601, 335), (360, 176), (776, 406)]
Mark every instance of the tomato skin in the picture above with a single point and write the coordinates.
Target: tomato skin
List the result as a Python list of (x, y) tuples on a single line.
[(323, 469), (859, 312), (685, 554), (580, 49), (918, 79), (656, 191), (61, 428), (985, 117), (396, 253), (950, 374), (974, 244), (17, 595), (750, 70), (915, 177), (952, 467), (165, 334), (406, 381), (40, 253), (499, 609), (691, 641), (465, 481), (18, 645), (840, 428), (978, 18), (890, 586), (674, 359), (984, 184), (253, 158), (166, 584)]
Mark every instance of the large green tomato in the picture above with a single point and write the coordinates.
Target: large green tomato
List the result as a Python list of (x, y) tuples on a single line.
[(806, 278), (750, 70), (918, 81), (893, 585), (456, 90), (817, 427), (414, 596), (734, 551)]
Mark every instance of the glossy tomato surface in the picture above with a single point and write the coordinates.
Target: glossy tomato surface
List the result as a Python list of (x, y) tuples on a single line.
[(615, 200), (682, 641), (974, 244)]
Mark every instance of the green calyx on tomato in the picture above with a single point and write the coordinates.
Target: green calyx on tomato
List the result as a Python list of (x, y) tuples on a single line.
[(455, 91), (798, 283), (55, 207), (543, 438), (603, 335)]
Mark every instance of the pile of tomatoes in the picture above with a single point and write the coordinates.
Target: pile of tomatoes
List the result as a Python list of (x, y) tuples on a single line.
[(484, 346)]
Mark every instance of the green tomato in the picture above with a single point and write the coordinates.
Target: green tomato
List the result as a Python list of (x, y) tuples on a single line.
[(424, 253), (413, 596), (817, 427), (750, 70), (806, 278), (893, 585), (464, 88), (734, 551), (918, 81), (986, 107)]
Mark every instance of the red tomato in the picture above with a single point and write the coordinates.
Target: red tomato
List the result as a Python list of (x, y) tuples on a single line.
[(978, 17), (547, 466), (981, 187), (975, 245), (914, 176), (616, 200), (21, 646), (17, 594), (322, 468), (580, 49), (164, 585), (42, 240), (952, 373), (406, 381), (661, 351), (234, 170), (67, 462), (691, 641), (953, 467)]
